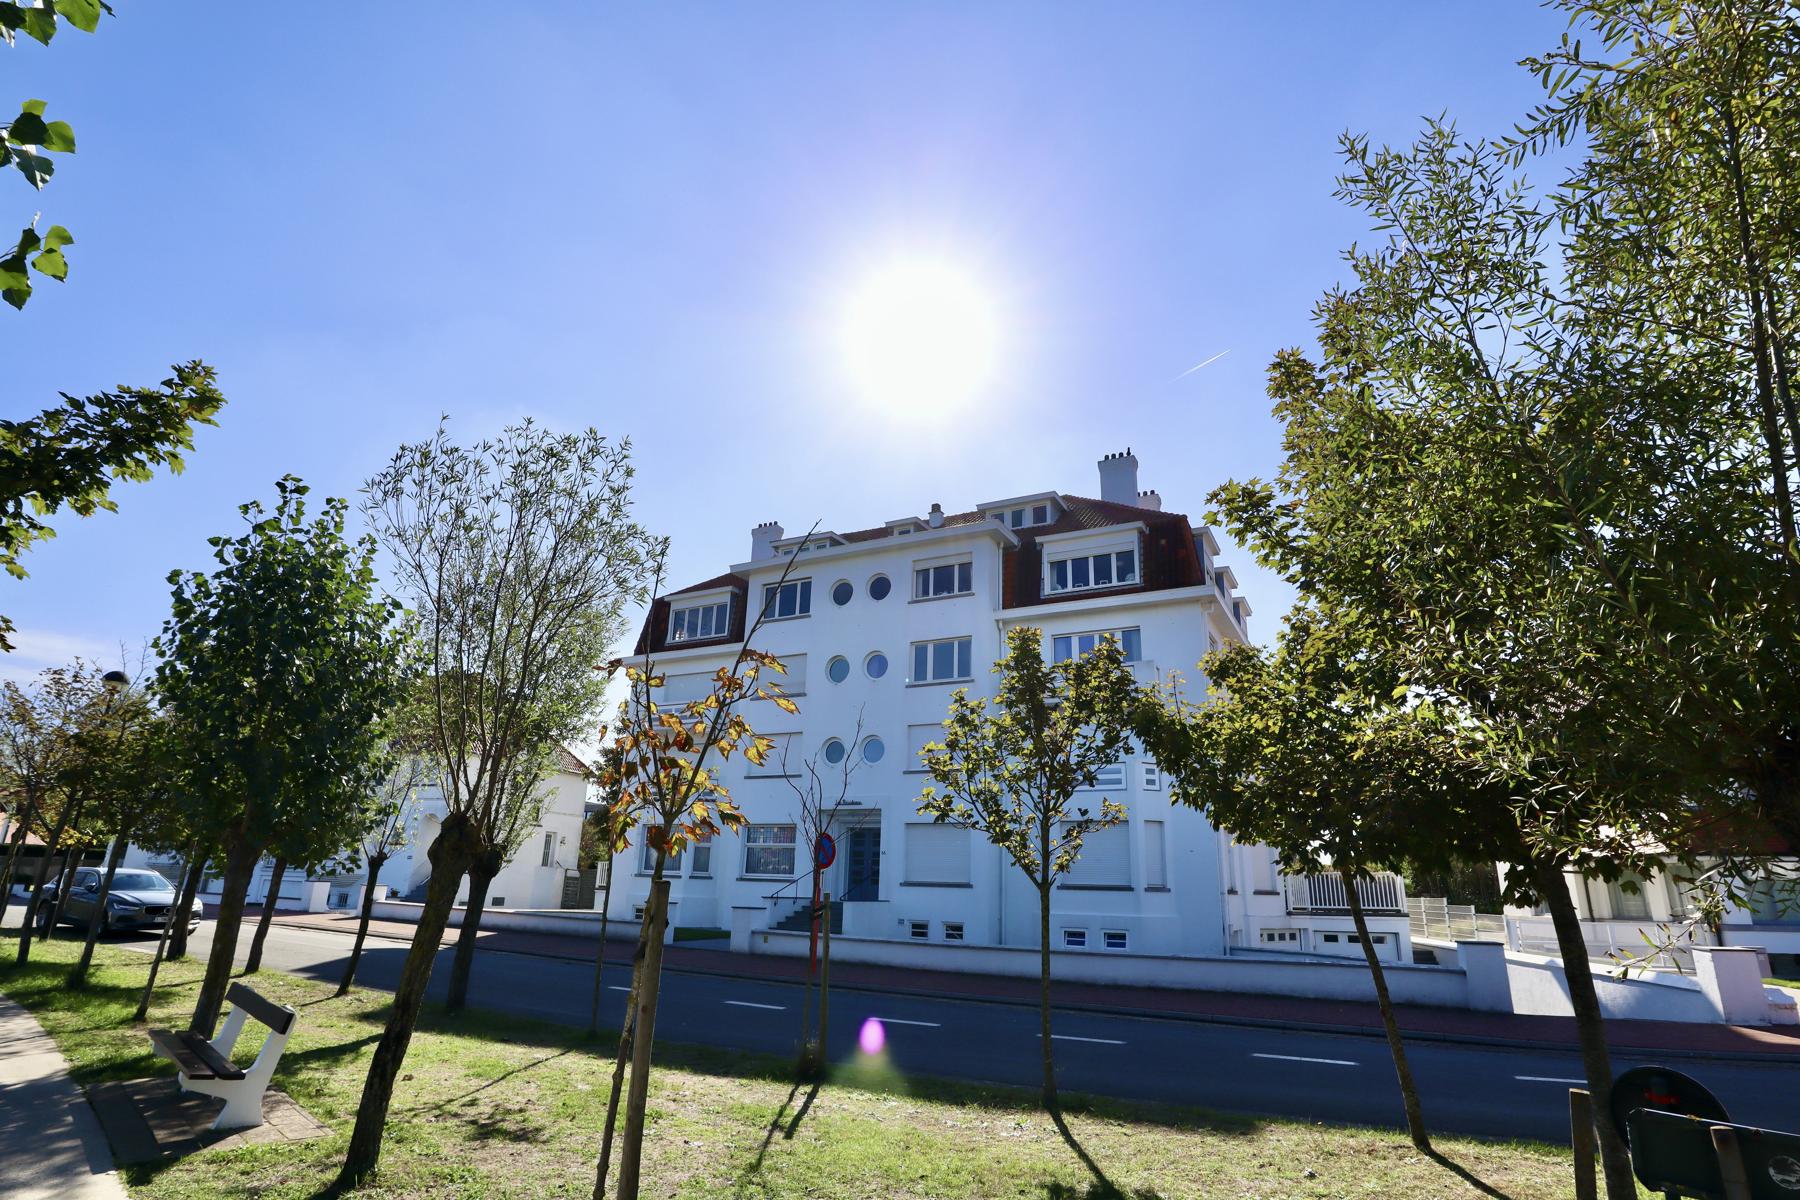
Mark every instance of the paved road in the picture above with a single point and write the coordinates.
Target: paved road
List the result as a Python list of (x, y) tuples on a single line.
[(1500, 1091)]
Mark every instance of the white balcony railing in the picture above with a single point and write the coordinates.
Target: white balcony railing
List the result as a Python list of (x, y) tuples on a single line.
[(1382, 893)]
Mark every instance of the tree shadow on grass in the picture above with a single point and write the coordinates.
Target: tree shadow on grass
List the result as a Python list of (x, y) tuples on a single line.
[(1466, 1175), (444, 1104), (1099, 1187), (785, 1123)]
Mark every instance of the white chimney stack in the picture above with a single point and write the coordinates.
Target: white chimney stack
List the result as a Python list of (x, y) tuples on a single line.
[(1118, 478), (935, 518), (763, 539), (1150, 500)]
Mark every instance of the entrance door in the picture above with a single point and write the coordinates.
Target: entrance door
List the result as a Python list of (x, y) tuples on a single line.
[(862, 863)]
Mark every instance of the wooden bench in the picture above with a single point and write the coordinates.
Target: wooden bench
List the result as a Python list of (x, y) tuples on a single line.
[(206, 1067)]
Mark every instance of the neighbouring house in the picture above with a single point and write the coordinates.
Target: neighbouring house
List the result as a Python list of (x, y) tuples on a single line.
[(1626, 916), (880, 625), (542, 874)]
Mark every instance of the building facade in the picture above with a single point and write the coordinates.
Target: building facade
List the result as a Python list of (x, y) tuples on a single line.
[(877, 627)]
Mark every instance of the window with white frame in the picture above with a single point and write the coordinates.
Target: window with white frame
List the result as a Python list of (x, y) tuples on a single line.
[(769, 850), (935, 662), (681, 689), (953, 931), (549, 848), (794, 682), (921, 930), (1074, 645), (1104, 861), (917, 738), (1156, 870), (647, 860), (781, 759), (1024, 517), (936, 853), (790, 599), (943, 579), (699, 621), (1115, 939), (1151, 775), (1084, 572), (1280, 937), (702, 859), (1110, 778), (1074, 939)]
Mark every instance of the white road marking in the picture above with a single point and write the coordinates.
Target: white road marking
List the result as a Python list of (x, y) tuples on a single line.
[(1330, 1062), (613, 987), (748, 1004), (1548, 1079), (1069, 1037), (898, 1021)]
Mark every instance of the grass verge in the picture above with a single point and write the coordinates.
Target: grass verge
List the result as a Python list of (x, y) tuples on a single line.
[(493, 1106)]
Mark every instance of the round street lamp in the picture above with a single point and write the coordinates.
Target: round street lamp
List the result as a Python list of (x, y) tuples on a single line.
[(115, 681)]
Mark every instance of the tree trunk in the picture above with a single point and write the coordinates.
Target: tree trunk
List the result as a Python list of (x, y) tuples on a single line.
[(631, 1148), (240, 865), (600, 954), (253, 964), (1615, 1160), (162, 943), (1050, 1100), (79, 973), (623, 1056), (70, 864), (21, 827), (37, 886), (451, 853), (184, 910), (825, 992), (374, 865), (1409, 1092), (481, 877)]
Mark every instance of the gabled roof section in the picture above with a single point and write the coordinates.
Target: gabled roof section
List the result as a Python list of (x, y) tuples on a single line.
[(654, 636), (1170, 559)]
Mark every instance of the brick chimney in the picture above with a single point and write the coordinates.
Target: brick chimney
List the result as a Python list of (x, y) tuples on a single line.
[(1118, 478)]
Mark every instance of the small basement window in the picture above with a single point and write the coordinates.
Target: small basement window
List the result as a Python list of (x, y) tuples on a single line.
[(1115, 939), (1329, 937), (1274, 937), (1075, 939), (953, 931), (920, 930)]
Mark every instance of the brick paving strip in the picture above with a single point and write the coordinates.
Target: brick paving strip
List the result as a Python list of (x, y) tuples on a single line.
[(51, 1146), (148, 1120), (1674, 1038)]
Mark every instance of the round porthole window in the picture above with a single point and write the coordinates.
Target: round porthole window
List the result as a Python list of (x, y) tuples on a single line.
[(834, 751), (873, 750), (838, 669), (875, 665), (842, 592), (879, 587)]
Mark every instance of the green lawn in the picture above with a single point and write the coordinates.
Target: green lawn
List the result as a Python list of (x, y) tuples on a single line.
[(1793, 983), (498, 1107)]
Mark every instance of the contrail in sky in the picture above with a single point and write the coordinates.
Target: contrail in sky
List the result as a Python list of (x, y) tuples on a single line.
[(1215, 358)]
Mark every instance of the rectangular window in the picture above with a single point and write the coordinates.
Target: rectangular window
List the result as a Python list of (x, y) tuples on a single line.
[(647, 860), (1156, 871), (794, 682), (1115, 939), (935, 662), (1212, 643), (1075, 939), (703, 858), (682, 689), (1073, 645), (1110, 778), (699, 621), (549, 848), (782, 759), (944, 579), (1111, 569), (953, 931), (936, 853), (1040, 514), (1105, 859), (769, 850), (1278, 937), (917, 738), (790, 599), (921, 930), (1152, 777)]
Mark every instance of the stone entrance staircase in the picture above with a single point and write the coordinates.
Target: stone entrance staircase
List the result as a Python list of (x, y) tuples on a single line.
[(799, 921)]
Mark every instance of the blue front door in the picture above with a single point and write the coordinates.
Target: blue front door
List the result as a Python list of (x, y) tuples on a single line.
[(862, 863)]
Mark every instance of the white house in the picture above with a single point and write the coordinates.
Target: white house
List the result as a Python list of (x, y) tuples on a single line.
[(880, 625), (534, 877)]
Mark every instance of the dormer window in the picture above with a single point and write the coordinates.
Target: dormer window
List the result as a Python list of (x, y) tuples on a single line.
[(1081, 572), (699, 621), (1024, 517)]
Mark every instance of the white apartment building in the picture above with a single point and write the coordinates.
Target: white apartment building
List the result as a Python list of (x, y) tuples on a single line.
[(877, 627)]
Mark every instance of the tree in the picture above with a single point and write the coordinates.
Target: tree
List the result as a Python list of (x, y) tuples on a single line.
[(69, 456), (37, 739), (661, 773), (603, 835), (278, 669), (519, 555), (1317, 750), (393, 814), (1011, 773)]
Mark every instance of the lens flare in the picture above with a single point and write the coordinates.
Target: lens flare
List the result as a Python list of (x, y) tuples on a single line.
[(871, 1039)]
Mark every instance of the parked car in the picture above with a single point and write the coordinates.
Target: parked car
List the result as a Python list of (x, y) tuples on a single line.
[(138, 900)]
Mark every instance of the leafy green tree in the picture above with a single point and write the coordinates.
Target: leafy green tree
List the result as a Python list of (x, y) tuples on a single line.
[(37, 740), (69, 456), (1010, 772), (1316, 749), (278, 669), (29, 140), (519, 555), (392, 815)]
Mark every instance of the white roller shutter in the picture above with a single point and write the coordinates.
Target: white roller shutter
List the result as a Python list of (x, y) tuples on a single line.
[(1105, 859), (936, 853), (1156, 869)]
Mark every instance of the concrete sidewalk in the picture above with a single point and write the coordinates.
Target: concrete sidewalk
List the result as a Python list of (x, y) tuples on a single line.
[(53, 1147), (1292, 1012)]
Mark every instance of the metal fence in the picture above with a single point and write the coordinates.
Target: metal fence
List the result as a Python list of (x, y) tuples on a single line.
[(1383, 893), (1434, 917)]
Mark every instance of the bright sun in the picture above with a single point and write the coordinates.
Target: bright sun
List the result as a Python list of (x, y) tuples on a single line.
[(919, 336)]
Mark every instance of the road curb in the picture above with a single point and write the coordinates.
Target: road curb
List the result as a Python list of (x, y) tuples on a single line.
[(1750, 1056)]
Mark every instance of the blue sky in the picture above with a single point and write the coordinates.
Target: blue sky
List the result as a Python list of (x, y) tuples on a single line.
[(646, 218)]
